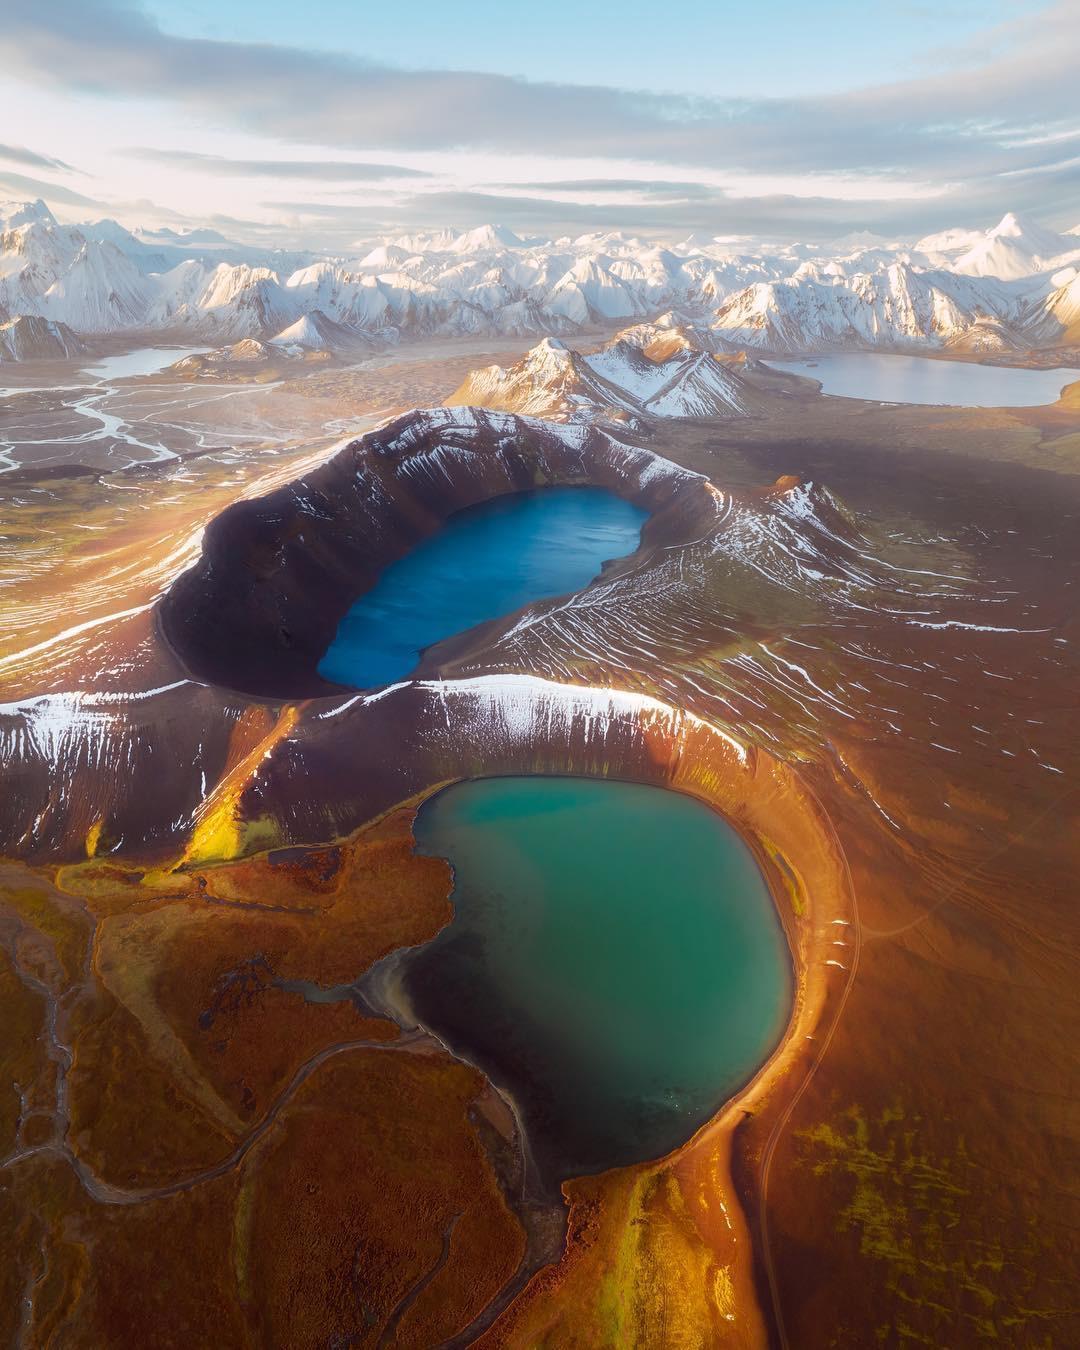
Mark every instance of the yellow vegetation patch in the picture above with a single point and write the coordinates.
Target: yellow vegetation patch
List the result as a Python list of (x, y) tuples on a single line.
[(793, 884), (917, 1211), (93, 835), (220, 833)]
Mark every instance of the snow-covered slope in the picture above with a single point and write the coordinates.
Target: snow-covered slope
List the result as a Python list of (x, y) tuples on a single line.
[(1014, 248), (667, 374), (101, 292), (972, 290), (899, 305), (14, 214), (550, 381), (306, 332), (1055, 320), (314, 332), (485, 238), (700, 387)]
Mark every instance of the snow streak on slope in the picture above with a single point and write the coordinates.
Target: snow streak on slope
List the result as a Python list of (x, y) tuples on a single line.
[(688, 383), (555, 382), (785, 619)]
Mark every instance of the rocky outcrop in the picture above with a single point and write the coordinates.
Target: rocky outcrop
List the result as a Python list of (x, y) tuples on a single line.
[(31, 338), (244, 355)]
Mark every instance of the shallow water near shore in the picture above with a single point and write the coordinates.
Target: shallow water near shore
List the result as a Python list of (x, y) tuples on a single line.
[(887, 378), (486, 561), (615, 963)]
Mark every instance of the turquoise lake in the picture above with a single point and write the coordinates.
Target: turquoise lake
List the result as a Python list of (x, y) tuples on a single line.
[(487, 560), (615, 961)]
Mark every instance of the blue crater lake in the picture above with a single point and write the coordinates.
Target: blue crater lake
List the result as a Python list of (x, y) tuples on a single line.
[(615, 961), (886, 378), (486, 561)]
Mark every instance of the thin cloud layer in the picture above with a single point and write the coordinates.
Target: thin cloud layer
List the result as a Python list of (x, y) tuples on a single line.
[(325, 170), (17, 185), (19, 154), (774, 217), (657, 187)]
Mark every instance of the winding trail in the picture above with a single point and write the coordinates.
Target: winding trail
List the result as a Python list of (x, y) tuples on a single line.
[(411, 1295)]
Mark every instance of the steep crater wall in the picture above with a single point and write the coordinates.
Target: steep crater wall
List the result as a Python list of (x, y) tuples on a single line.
[(277, 574)]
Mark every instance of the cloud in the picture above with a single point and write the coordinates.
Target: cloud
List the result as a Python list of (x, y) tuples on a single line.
[(999, 110), (344, 211), (18, 154), (22, 186), (938, 122), (641, 186), (140, 211), (327, 170), (775, 216)]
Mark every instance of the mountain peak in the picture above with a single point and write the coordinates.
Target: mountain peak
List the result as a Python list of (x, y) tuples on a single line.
[(1009, 226), (14, 214), (487, 236), (1028, 234)]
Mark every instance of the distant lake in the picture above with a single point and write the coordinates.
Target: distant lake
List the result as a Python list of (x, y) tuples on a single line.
[(486, 561), (918, 379), (142, 361), (615, 961)]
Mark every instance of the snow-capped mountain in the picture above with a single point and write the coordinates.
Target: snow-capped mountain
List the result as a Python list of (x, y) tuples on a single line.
[(684, 382), (1015, 247), (562, 385), (485, 238), (550, 381), (315, 332), (977, 291), (897, 305)]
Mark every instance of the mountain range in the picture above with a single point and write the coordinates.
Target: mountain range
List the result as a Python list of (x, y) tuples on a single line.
[(1009, 288)]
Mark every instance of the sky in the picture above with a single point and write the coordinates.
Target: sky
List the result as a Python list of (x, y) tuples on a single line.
[(325, 125)]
